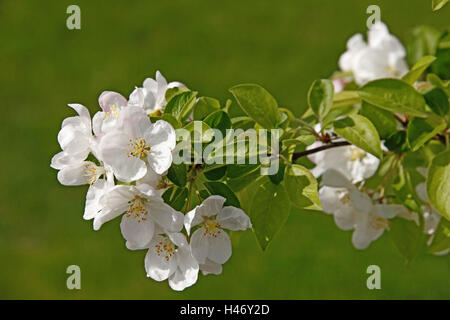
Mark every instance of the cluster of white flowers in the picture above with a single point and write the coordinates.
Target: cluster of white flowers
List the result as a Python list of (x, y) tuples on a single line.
[(383, 56), (130, 156)]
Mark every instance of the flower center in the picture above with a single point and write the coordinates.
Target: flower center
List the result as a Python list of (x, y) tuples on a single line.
[(212, 228), (92, 172), (139, 148), (393, 71), (378, 223), (345, 198), (113, 112), (357, 154), (165, 248), (137, 210)]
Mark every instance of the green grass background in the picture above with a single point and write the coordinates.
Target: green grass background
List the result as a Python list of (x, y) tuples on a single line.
[(211, 46)]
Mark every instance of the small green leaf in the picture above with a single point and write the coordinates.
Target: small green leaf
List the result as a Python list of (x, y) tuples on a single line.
[(442, 65), (423, 41), (438, 183), (421, 130), (196, 136), (257, 103), (407, 237), (176, 197), (219, 120), (397, 142), (394, 95), (279, 176), (346, 98), (416, 71), (181, 105), (169, 118), (269, 210), (382, 119), (204, 107), (301, 187), (359, 131), (177, 174), (172, 92), (216, 173), (320, 97), (221, 189), (437, 100)]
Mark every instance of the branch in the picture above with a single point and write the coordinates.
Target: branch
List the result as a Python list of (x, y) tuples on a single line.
[(297, 155)]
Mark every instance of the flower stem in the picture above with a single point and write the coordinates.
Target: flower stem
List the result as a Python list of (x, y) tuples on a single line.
[(297, 155)]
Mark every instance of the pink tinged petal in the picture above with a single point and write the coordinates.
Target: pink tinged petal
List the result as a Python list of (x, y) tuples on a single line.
[(159, 267), (200, 245), (163, 214), (137, 98), (136, 231), (161, 135), (187, 272), (234, 219), (83, 112), (107, 99), (219, 247), (210, 267), (95, 192), (114, 147)]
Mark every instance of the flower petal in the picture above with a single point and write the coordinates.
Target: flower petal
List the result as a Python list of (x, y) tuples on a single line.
[(199, 245), (157, 266), (232, 218), (107, 99), (138, 233)]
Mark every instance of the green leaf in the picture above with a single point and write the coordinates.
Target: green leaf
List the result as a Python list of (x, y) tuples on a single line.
[(257, 103), (441, 238), (269, 210), (337, 112), (438, 183), (169, 118), (394, 95), (279, 176), (437, 100), (221, 189), (424, 41), (442, 65), (419, 67), (438, 4), (172, 92), (346, 98), (383, 120), (219, 120), (359, 131), (242, 181), (320, 97), (176, 197), (181, 105), (421, 130), (407, 237), (177, 174), (243, 123), (197, 136), (204, 107), (215, 174), (301, 187)]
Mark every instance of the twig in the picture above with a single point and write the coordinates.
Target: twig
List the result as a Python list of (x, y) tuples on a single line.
[(297, 155)]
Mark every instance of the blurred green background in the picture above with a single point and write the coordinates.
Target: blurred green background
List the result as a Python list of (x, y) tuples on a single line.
[(210, 46)]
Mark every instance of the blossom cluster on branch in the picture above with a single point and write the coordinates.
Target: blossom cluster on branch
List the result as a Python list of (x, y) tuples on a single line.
[(372, 150)]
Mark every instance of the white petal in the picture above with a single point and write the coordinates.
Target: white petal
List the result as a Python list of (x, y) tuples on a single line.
[(83, 112), (95, 192), (210, 267), (389, 211), (163, 214), (161, 133), (157, 266), (191, 220), (114, 203), (138, 233), (232, 218), (219, 247), (73, 175), (160, 159), (211, 206), (107, 99), (63, 159), (363, 236), (334, 178), (199, 245), (114, 147), (187, 272)]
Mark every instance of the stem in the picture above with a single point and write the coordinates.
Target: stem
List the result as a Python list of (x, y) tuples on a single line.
[(297, 155), (308, 127)]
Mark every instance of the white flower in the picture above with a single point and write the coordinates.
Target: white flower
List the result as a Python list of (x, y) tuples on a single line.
[(143, 209), (152, 96), (351, 161), (353, 210), (210, 241), (170, 257), (112, 104), (382, 57), (136, 143), (75, 139)]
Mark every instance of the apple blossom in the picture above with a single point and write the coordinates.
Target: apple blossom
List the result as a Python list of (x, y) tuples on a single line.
[(210, 241)]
